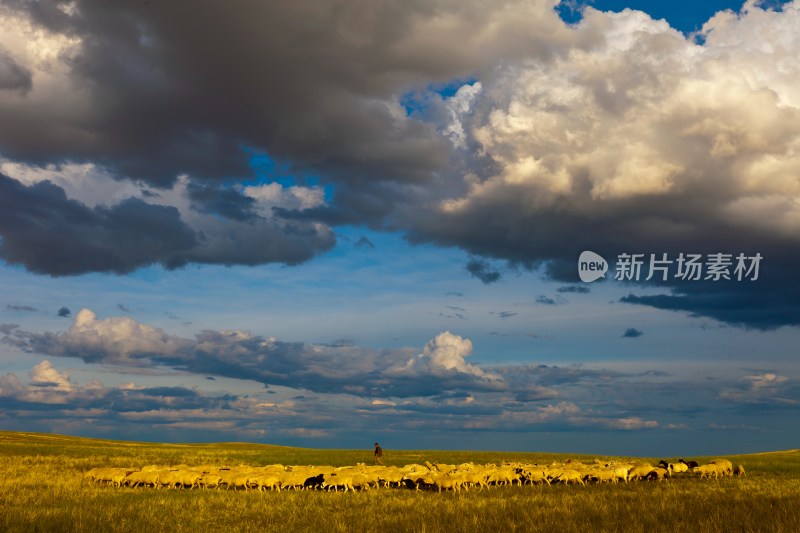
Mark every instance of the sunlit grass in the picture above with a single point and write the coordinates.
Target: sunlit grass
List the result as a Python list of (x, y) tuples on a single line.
[(42, 489)]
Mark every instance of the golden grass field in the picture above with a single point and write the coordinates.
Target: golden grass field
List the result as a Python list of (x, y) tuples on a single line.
[(42, 489)]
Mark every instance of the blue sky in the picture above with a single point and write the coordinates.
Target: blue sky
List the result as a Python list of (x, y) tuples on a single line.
[(371, 229), (683, 15)]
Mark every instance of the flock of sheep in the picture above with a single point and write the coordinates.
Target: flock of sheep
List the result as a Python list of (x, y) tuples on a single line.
[(435, 476)]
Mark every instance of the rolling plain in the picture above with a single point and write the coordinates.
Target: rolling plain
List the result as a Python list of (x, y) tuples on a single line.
[(42, 488)]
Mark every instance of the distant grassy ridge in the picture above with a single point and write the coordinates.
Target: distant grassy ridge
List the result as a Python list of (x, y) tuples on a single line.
[(253, 453), (41, 489)]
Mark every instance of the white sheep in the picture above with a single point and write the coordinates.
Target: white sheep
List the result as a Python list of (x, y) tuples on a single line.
[(189, 478), (677, 468), (570, 475), (168, 478), (210, 481), (708, 470), (391, 476), (535, 476), (639, 471), (344, 480), (436, 475), (148, 478), (601, 476), (446, 481), (240, 481), (502, 476), (267, 481), (725, 466), (111, 476)]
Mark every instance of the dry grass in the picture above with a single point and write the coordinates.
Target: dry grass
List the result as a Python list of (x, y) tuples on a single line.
[(41, 489)]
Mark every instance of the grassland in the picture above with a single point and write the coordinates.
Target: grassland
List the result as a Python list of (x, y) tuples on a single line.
[(41, 489)]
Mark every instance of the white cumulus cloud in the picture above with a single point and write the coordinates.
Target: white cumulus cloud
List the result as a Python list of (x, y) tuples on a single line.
[(641, 111), (45, 375), (446, 353), (116, 339)]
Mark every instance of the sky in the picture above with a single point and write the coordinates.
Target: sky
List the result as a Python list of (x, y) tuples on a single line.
[(521, 225)]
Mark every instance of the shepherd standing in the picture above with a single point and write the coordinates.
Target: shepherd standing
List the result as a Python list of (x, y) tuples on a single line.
[(378, 454)]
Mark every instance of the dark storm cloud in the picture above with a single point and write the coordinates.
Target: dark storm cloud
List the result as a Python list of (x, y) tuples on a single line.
[(481, 269), (765, 304), (153, 91), (13, 77), (632, 333), (228, 203), (64, 312), (181, 90), (363, 203), (49, 233)]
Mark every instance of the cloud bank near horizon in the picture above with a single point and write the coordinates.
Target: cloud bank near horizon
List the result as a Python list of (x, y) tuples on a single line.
[(342, 369), (433, 388)]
